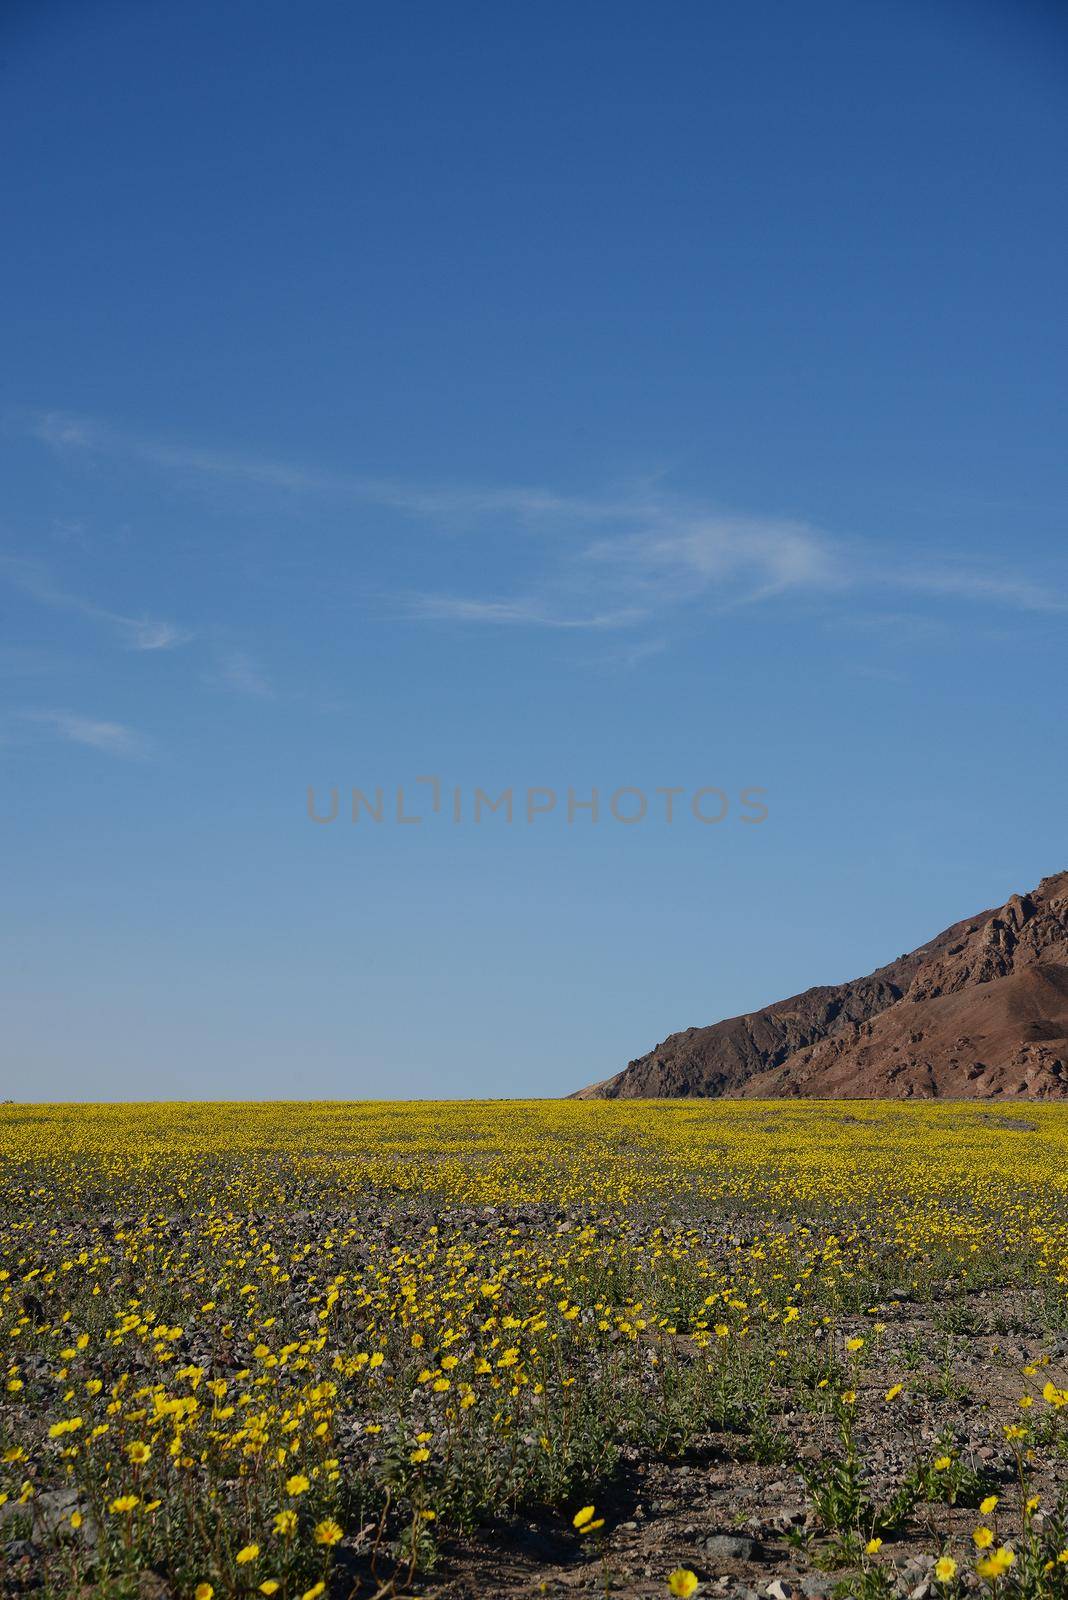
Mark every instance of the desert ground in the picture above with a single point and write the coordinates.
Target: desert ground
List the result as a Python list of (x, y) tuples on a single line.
[(739, 1349)]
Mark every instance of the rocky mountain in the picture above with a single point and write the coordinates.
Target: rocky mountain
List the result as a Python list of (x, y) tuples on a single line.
[(980, 1010)]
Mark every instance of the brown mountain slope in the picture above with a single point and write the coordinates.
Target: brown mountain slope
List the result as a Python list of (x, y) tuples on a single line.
[(980, 1010)]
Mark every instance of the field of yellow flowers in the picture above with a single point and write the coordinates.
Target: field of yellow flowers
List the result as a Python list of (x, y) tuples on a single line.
[(522, 1348)]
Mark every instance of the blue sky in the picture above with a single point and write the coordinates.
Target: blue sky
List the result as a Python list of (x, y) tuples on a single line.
[(560, 397)]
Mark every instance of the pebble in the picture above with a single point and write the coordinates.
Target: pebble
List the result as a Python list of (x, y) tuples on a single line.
[(730, 1547)]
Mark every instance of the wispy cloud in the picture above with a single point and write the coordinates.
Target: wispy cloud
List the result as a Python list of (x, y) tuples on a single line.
[(142, 633), (135, 633), (684, 559), (240, 674), (678, 558), (72, 434), (614, 560), (114, 738), (682, 555), (527, 613), (997, 588)]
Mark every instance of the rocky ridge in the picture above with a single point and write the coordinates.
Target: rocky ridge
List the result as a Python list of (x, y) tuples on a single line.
[(979, 1011)]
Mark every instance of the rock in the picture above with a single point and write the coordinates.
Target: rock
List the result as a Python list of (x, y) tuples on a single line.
[(52, 1511), (778, 1590), (150, 1586), (730, 1547)]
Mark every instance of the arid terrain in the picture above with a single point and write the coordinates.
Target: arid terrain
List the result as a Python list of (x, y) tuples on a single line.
[(980, 1011), (723, 1348)]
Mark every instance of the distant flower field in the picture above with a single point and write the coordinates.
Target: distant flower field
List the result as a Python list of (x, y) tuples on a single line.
[(305, 1350)]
